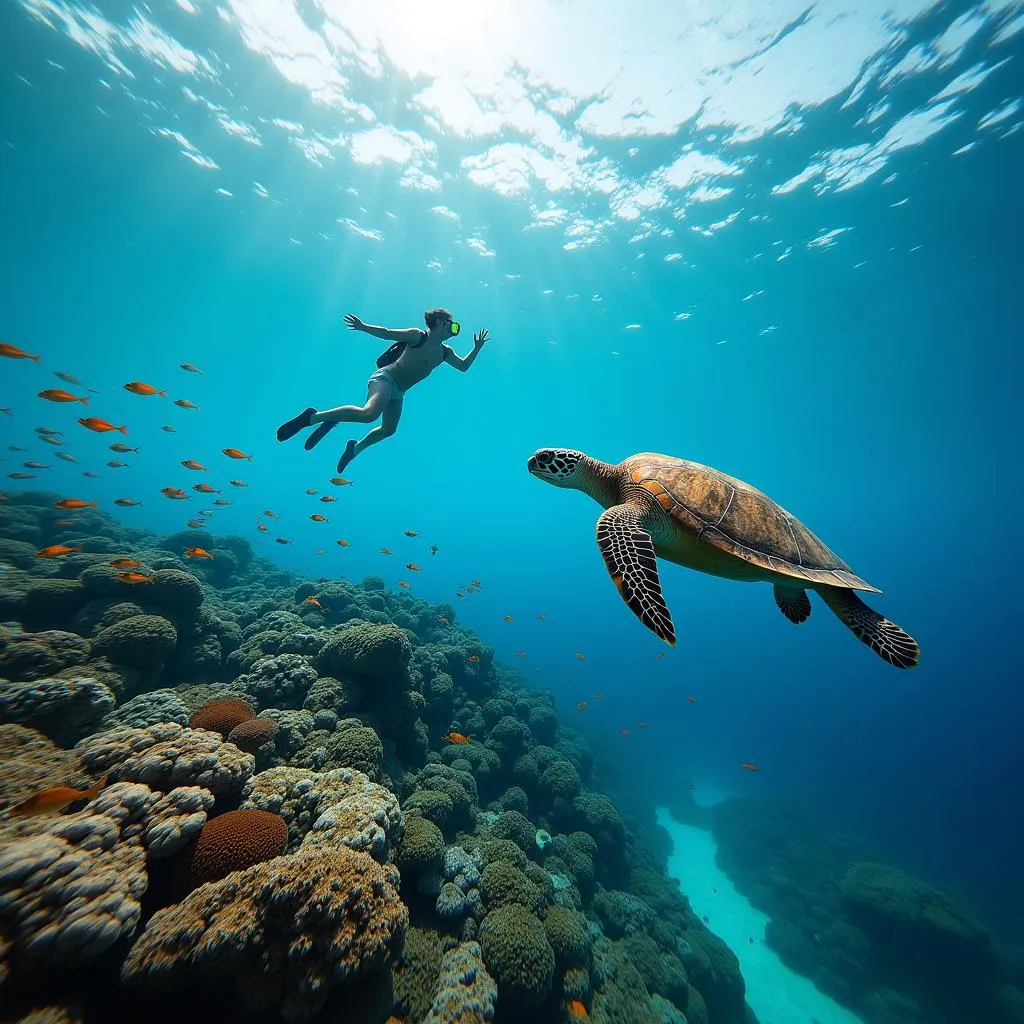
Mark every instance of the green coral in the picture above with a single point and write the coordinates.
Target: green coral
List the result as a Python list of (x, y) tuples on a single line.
[(422, 847), (501, 885), (569, 937), (518, 955), (378, 651), (142, 641)]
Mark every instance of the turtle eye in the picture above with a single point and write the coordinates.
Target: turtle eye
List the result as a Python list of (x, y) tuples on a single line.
[(544, 457)]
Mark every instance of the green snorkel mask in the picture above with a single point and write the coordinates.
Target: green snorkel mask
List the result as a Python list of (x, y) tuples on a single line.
[(455, 327)]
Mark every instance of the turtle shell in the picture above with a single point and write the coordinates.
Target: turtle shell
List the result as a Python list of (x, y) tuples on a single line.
[(739, 520)]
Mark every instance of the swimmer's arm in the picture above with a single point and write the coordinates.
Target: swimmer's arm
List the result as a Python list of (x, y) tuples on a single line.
[(463, 363), (407, 334)]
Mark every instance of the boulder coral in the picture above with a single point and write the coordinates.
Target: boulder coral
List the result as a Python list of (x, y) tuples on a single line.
[(338, 808), (381, 652), (33, 762), (25, 656), (321, 917), (221, 715), (165, 756), (466, 993), (253, 734), (65, 709)]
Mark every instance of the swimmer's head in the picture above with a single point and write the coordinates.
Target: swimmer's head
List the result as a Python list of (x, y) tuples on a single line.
[(435, 317)]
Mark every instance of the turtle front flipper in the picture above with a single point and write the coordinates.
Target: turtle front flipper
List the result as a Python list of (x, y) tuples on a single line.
[(793, 602), (885, 638), (628, 552)]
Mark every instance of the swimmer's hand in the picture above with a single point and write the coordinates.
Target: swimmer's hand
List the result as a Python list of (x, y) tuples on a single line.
[(479, 340), (354, 323)]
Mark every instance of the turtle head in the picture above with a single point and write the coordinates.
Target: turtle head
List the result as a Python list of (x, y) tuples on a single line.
[(562, 467)]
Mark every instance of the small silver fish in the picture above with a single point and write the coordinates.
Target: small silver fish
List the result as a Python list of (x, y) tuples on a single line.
[(66, 456), (50, 439), (71, 379), (170, 430), (46, 431), (15, 448), (35, 465)]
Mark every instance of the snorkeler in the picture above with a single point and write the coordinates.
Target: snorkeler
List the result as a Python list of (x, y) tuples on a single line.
[(412, 358)]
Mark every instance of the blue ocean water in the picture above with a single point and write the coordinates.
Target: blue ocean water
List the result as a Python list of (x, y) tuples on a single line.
[(784, 244)]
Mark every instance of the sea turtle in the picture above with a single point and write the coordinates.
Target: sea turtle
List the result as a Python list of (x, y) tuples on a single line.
[(695, 516)]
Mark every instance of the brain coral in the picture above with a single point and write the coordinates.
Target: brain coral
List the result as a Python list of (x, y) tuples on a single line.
[(221, 715), (165, 756), (141, 641), (320, 917), (466, 993), (518, 955), (232, 842), (251, 735)]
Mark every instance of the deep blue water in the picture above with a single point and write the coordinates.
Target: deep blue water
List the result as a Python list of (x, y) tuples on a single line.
[(868, 385)]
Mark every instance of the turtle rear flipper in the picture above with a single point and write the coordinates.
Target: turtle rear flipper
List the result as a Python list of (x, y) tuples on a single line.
[(629, 556), (885, 638), (793, 603)]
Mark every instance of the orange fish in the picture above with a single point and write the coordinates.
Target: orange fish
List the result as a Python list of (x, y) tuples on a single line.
[(340, 481), (238, 483), (314, 601), (136, 387), (234, 453), (101, 426), (50, 801), (123, 449), (580, 657), (73, 504), (56, 395), (442, 620), (13, 352), (190, 368), (577, 1008), (385, 551), (411, 533), (175, 494), (413, 567), (402, 583), (317, 518), (311, 490), (206, 489), (56, 550), (473, 658), (184, 403), (134, 577), (476, 583), (455, 737), (125, 563), (623, 732), (582, 704), (541, 617), (750, 767), (198, 553), (508, 618), (262, 528), (272, 515), (433, 549), (328, 498), (192, 464), (691, 699)]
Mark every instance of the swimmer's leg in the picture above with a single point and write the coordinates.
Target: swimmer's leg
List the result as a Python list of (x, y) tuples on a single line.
[(388, 425)]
